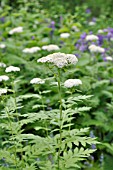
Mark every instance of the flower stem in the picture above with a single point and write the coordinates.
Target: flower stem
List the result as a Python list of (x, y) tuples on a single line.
[(60, 108)]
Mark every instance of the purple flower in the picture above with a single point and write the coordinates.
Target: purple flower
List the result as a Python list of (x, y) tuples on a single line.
[(32, 37), (52, 25), (94, 19), (77, 55), (92, 134), (83, 36), (2, 19), (88, 10), (82, 48), (100, 40)]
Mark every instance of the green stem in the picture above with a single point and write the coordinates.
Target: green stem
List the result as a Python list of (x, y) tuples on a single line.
[(60, 108)]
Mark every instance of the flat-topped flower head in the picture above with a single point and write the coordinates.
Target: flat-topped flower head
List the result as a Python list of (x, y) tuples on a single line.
[(108, 58), (37, 81), (50, 47), (4, 78), (65, 35), (95, 48), (31, 50), (91, 37), (59, 59), (16, 30), (2, 64), (72, 82), (2, 45), (3, 91), (12, 69)]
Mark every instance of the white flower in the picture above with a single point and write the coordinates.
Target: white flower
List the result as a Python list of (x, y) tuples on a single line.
[(37, 81), (74, 28), (100, 31), (16, 30), (2, 65), (64, 35), (91, 23), (109, 58), (94, 48), (3, 91), (50, 47), (91, 37), (31, 50), (12, 69), (59, 59), (111, 39), (4, 77), (72, 82), (2, 45)]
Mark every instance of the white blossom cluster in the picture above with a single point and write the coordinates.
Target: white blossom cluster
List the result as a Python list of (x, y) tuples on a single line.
[(37, 81), (65, 35), (31, 50), (2, 45), (91, 37), (91, 23), (109, 58), (74, 28), (4, 78), (2, 64), (100, 31), (50, 47), (3, 91), (12, 69), (95, 48), (59, 59), (72, 82), (16, 30)]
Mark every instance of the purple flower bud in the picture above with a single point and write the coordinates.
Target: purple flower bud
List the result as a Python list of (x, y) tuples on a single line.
[(92, 134), (32, 37), (2, 19), (88, 10), (93, 146), (83, 36)]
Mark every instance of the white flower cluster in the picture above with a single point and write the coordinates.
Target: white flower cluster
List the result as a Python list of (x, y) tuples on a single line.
[(4, 78), (59, 59), (31, 50), (91, 37), (91, 23), (109, 58), (72, 82), (3, 91), (74, 28), (64, 35), (100, 31), (12, 69), (50, 47), (95, 48), (37, 81), (16, 30), (2, 64), (2, 45)]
